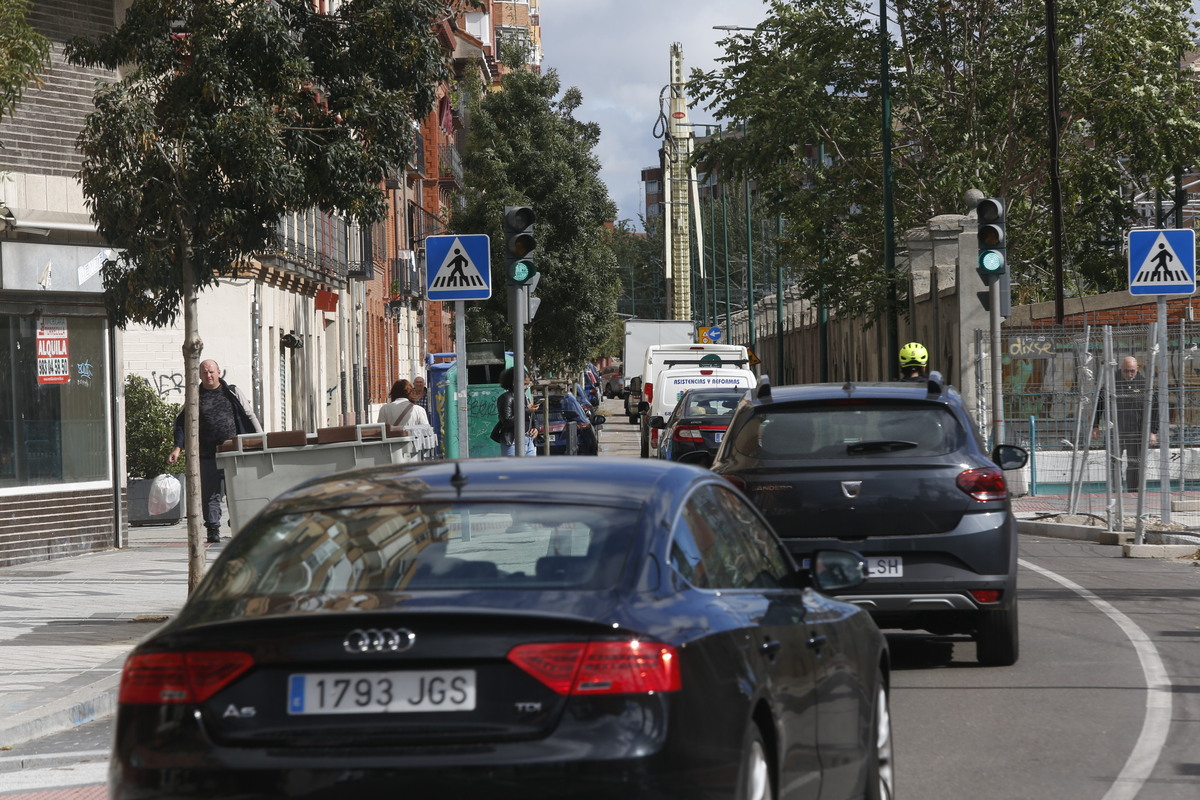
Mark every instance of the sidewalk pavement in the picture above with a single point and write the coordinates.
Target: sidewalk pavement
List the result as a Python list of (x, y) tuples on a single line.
[(67, 624)]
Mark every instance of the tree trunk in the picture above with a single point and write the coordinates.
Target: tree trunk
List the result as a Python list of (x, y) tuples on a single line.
[(193, 346)]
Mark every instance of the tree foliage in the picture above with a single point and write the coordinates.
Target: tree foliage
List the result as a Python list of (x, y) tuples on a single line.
[(24, 53), (969, 110), (229, 115), (526, 147)]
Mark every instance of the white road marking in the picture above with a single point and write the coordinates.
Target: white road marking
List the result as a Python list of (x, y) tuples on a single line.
[(1157, 722)]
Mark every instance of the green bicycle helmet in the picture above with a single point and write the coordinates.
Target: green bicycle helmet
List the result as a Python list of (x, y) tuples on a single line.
[(914, 354)]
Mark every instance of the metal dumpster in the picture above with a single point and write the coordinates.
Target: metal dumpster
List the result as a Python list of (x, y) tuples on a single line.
[(259, 467)]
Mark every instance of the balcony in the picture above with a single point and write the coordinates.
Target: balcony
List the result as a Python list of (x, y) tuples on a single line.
[(450, 168), (416, 164)]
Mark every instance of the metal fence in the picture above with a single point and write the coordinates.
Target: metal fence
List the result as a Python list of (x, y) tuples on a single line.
[(1054, 380)]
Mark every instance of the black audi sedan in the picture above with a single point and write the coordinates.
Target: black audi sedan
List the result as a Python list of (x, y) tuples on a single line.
[(510, 628), (896, 472), (697, 424)]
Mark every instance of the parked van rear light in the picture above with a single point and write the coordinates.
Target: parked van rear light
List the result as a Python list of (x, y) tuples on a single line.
[(983, 484), (654, 438), (648, 392), (589, 668), (176, 678)]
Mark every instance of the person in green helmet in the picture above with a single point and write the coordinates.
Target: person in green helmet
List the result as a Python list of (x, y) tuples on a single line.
[(914, 362)]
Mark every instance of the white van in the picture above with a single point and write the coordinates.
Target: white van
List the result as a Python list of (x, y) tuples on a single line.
[(670, 356)]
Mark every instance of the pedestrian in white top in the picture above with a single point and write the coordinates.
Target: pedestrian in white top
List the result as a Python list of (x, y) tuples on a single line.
[(402, 411)]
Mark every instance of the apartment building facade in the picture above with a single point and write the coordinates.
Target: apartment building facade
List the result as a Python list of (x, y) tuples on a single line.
[(314, 332)]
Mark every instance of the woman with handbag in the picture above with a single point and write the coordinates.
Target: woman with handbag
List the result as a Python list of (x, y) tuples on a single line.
[(504, 433), (402, 411)]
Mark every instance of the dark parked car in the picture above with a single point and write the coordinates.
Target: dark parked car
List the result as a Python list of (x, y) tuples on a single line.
[(587, 434), (510, 629), (697, 425), (897, 472)]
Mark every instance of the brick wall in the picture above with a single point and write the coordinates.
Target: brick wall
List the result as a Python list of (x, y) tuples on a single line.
[(40, 527), (40, 136), (1116, 308)]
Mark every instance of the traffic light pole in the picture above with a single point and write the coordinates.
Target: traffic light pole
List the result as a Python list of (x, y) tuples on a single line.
[(997, 366), (517, 302)]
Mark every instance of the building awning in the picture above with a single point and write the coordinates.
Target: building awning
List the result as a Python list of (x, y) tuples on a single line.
[(34, 221)]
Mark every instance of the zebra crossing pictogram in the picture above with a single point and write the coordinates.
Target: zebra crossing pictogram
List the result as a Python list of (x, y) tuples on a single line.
[(1162, 261)]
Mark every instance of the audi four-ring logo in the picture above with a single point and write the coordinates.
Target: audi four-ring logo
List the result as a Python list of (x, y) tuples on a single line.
[(379, 640)]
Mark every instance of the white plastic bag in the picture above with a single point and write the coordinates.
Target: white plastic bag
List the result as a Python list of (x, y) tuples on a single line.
[(164, 494)]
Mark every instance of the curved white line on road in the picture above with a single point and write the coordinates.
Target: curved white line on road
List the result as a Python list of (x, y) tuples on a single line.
[(1157, 722)]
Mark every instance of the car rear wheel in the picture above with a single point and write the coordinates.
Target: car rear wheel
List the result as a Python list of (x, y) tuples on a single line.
[(754, 777), (881, 772), (997, 643)]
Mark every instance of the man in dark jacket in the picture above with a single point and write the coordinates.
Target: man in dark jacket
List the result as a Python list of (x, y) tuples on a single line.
[(1131, 390), (224, 413)]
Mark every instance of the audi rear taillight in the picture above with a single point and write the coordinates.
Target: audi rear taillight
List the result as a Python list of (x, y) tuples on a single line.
[(173, 678), (590, 668), (687, 434), (983, 484)]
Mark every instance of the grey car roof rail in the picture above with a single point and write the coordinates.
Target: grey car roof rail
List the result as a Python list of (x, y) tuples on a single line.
[(937, 385)]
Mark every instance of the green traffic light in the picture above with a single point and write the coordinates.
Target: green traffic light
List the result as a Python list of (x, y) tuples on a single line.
[(991, 261), (521, 271)]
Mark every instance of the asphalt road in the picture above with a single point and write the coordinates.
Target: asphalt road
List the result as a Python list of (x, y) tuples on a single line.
[(1104, 703)]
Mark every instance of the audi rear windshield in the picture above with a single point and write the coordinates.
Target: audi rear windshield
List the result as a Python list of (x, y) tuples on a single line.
[(849, 431), (417, 547)]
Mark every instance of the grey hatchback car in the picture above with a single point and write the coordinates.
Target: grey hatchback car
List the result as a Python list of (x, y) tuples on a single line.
[(898, 473)]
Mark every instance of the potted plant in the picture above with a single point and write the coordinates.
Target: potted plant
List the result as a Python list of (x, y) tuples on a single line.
[(149, 424)]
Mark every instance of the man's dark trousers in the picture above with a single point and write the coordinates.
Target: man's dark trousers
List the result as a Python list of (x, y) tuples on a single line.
[(210, 495)]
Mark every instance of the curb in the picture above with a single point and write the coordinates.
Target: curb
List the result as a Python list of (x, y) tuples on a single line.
[(93, 701), (1091, 533)]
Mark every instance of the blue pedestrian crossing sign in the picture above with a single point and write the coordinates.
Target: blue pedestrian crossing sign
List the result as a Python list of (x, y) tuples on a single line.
[(458, 267), (1162, 261)]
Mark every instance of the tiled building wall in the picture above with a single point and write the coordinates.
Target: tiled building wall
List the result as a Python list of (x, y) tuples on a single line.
[(40, 136), (55, 524)]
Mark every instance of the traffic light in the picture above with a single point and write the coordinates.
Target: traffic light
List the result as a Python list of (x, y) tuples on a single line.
[(991, 237), (519, 245), (533, 303)]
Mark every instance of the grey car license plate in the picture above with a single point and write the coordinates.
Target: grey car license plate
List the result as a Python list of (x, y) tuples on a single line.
[(381, 692), (885, 567)]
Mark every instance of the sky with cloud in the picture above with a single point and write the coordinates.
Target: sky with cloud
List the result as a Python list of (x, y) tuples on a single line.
[(617, 52)]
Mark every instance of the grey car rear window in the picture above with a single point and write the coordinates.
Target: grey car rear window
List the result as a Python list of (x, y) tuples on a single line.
[(849, 431), (434, 546)]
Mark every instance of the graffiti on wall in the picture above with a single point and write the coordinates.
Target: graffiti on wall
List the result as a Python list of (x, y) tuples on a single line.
[(167, 385)]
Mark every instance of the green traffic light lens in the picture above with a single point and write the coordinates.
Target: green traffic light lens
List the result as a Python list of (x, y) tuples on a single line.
[(991, 261), (520, 271)]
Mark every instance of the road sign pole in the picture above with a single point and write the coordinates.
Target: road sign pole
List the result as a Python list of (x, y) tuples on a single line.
[(1164, 418), (460, 350)]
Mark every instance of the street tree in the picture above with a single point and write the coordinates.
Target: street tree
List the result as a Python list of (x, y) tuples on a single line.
[(968, 84), (24, 54), (525, 147), (227, 116)]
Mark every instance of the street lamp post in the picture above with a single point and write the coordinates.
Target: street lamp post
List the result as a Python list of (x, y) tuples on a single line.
[(889, 224)]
